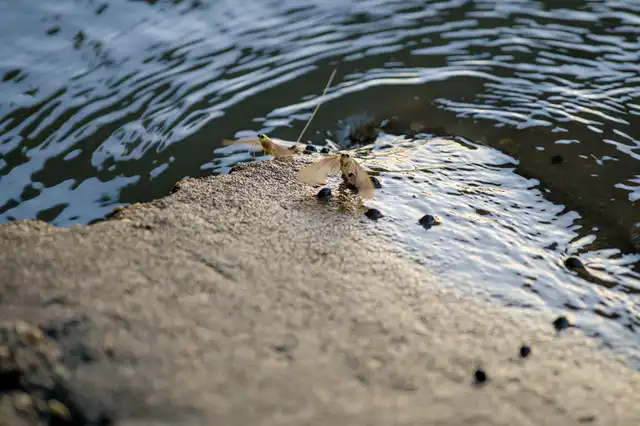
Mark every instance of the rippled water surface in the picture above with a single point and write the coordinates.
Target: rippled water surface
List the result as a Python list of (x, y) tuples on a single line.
[(111, 102), (497, 230)]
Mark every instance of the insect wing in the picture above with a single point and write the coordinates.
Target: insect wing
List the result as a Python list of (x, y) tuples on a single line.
[(361, 179), (281, 151), (228, 142), (316, 173)]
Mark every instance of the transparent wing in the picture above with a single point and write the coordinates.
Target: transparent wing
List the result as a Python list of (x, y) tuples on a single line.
[(361, 180), (316, 173), (282, 151), (228, 142)]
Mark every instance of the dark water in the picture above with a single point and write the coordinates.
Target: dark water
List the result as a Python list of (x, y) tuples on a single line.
[(111, 102)]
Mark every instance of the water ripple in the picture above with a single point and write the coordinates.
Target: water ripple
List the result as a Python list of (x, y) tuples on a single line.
[(111, 103), (124, 82), (498, 229)]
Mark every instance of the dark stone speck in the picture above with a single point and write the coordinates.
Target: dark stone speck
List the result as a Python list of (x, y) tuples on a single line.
[(573, 263), (561, 323), (324, 194), (525, 351), (427, 221), (373, 214), (325, 150), (480, 376), (311, 148)]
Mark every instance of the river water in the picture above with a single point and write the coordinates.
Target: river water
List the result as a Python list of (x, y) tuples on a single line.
[(107, 103)]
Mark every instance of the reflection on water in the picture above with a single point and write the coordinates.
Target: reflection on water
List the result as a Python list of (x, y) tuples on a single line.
[(499, 236), (127, 97), (107, 103)]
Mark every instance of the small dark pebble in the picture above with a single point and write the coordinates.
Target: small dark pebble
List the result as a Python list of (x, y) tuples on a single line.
[(311, 148), (325, 150), (376, 182), (373, 214), (525, 351), (480, 376), (573, 263), (427, 221), (561, 323), (557, 159), (324, 194)]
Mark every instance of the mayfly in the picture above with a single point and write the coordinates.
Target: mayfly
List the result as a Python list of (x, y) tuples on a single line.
[(316, 173), (267, 144)]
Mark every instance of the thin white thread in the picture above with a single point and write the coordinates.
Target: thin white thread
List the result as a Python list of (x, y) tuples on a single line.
[(333, 74)]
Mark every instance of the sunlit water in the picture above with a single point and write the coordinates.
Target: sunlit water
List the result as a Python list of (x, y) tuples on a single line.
[(497, 230), (108, 103)]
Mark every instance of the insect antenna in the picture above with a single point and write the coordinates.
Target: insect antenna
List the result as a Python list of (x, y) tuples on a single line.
[(333, 74)]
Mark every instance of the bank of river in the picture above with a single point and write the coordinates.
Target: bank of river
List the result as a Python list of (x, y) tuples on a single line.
[(204, 307)]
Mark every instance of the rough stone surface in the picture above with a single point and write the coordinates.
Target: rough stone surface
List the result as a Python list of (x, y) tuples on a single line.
[(241, 300)]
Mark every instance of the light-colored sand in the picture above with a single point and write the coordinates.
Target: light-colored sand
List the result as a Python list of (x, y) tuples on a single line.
[(241, 300)]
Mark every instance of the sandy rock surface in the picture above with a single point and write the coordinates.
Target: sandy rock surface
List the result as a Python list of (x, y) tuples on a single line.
[(242, 300)]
